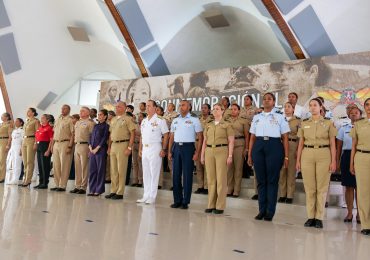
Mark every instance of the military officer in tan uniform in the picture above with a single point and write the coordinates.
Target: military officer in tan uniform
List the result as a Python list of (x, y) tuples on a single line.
[(62, 148), (82, 132), (6, 129), (241, 130), (287, 175), (217, 155), (137, 166), (121, 140), (204, 119), (225, 101), (29, 145), (316, 159), (360, 166)]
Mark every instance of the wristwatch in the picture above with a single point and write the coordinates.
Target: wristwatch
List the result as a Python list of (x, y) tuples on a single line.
[(129, 148)]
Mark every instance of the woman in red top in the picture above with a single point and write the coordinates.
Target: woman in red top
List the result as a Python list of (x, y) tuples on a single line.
[(44, 135)]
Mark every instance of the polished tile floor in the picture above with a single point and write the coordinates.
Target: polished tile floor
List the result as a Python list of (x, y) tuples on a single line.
[(49, 225)]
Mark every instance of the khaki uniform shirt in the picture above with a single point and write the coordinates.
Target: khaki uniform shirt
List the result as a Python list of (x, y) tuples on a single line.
[(239, 124), (63, 128), (294, 123), (83, 129), (218, 134), (248, 112), (31, 126), (121, 127), (227, 113), (6, 129), (169, 117), (361, 132), (317, 133)]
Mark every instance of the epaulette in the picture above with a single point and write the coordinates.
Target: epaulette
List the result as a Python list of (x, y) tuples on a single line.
[(278, 112), (306, 119), (298, 118), (160, 117), (193, 114), (360, 119), (327, 118), (243, 117), (343, 117)]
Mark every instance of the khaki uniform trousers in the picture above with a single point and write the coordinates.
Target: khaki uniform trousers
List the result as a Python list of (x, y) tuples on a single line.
[(3, 156), (137, 166), (107, 171), (287, 176), (28, 156), (235, 172), (201, 173), (118, 167), (316, 177), (61, 163), (362, 169), (81, 157), (215, 160)]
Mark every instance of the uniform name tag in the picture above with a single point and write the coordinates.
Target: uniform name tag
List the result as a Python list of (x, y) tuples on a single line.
[(306, 126)]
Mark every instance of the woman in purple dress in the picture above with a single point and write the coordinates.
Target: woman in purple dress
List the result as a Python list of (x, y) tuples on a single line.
[(98, 155)]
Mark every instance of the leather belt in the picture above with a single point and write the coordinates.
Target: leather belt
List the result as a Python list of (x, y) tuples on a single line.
[(216, 145), (61, 141), (184, 143), (266, 138), (29, 136), (363, 151), (239, 137), (316, 146), (292, 140), (81, 142), (4, 137), (121, 141)]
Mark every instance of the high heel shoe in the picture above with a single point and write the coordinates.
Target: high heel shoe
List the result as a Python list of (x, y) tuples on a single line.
[(348, 220), (358, 220), (26, 185)]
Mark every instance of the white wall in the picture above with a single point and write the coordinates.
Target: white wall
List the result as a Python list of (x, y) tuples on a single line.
[(50, 59)]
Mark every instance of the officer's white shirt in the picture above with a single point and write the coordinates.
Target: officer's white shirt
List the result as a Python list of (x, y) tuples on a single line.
[(344, 136), (341, 121), (153, 129), (17, 136), (269, 124)]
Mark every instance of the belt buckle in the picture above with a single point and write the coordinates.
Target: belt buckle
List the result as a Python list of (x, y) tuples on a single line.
[(146, 145), (316, 147), (266, 138), (213, 146), (181, 143)]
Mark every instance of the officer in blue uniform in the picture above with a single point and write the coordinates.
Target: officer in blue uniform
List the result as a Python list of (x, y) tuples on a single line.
[(185, 129), (267, 146)]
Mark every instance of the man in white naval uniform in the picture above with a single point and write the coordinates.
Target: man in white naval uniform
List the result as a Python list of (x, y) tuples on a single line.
[(152, 149)]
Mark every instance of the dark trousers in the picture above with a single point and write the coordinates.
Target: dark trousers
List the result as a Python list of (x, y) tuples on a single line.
[(129, 167), (268, 158), (97, 168), (43, 163), (183, 165)]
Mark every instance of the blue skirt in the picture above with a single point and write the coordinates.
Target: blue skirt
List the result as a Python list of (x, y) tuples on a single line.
[(348, 180)]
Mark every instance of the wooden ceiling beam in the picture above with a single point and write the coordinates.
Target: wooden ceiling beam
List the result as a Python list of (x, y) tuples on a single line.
[(127, 36), (4, 92), (284, 28)]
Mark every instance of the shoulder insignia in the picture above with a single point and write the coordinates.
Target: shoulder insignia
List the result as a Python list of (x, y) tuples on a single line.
[(193, 114), (343, 117), (327, 118), (278, 112), (298, 118), (160, 117), (306, 119)]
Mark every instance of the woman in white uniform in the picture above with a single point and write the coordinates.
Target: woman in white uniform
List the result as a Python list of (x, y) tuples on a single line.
[(12, 177)]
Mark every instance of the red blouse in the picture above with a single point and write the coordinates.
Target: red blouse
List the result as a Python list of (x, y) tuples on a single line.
[(44, 133)]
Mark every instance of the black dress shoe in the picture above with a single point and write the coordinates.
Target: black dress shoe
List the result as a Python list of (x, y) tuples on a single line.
[(268, 218), (184, 206), (205, 191), (218, 211), (81, 192), (117, 197), (289, 201), (91, 194), (61, 189), (75, 190), (365, 232), (171, 189), (235, 196), (209, 210), (2, 181), (199, 191), (255, 197), (318, 223), (134, 185), (109, 196), (282, 199), (139, 185), (310, 222), (54, 189), (42, 187), (326, 205), (36, 187), (260, 216), (108, 181), (175, 205), (348, 220), (159, 187), (229, 195)]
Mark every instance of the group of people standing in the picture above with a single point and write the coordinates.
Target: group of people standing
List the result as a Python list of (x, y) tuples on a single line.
[(277, 145)]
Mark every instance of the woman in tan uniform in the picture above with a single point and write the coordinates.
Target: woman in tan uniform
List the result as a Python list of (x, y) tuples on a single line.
[(241, 143), (287, 175), (6, 129), (29, 145), (316, 160), (217, 155), (360, 166)]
